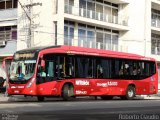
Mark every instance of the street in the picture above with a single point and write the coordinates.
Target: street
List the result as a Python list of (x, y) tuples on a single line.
[(81, 109)]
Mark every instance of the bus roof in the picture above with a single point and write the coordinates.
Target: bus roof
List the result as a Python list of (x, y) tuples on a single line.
[(36, 49), (85, 51)]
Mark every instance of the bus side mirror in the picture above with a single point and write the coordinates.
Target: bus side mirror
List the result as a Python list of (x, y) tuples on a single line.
[(42, 63)]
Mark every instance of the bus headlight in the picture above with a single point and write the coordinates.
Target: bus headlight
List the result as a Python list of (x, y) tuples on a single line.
[(30, 83)]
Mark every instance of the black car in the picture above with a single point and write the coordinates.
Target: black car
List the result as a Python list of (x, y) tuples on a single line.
[(2, 88)]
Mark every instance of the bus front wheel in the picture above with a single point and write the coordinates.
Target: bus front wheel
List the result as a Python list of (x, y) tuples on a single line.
[(130, 93), (68, 92)]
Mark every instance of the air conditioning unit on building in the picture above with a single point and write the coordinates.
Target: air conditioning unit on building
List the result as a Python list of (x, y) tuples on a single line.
[(2, 43)]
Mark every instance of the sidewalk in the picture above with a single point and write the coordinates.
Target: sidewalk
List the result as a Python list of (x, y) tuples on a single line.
[(4, 98), (156, 96)]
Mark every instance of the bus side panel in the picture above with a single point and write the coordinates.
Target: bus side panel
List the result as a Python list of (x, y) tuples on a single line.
[(101, 87), (48, 88), (147, 86), (142, 86)]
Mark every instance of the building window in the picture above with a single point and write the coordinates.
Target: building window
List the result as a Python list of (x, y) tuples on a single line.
[(90, 36), (69, 6), (115, 15), (68, 33), (155, 22), (82, 37), (99, 10), (7, 4), (94, 37), (15, 2), (8, 33), (86, 36), (155, 44), (2, 4), (99, 39)]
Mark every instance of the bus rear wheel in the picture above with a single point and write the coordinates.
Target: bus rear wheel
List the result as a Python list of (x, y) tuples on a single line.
[(130, 93), (68, 92), (40, 98)]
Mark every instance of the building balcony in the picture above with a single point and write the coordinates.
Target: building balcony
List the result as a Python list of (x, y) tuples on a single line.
[(102, 17), (8, 14), (119, 1), (8, 17), (97, 45)]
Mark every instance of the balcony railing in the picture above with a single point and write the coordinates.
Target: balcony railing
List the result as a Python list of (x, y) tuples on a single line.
[(95, 15), (97, 45), (155, 23), (155, 50), (8, 35)]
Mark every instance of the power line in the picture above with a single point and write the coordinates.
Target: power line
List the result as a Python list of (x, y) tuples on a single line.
[(29, 31), (24, 10)]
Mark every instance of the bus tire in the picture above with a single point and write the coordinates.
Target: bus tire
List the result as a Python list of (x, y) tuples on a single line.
[(40, 98), (68, 92), (130, 93), (106, 97)]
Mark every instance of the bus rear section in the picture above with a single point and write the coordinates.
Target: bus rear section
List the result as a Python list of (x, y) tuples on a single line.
[(4, 73), (68, 72)]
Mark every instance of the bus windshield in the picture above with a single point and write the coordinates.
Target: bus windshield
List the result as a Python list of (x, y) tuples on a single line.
[(22, 70)]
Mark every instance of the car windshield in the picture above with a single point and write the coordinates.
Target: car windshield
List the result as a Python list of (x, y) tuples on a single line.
[(22, 70)]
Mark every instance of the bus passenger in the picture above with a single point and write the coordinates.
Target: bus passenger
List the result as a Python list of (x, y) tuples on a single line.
[(134, 71), (121, 72), (43, 73)]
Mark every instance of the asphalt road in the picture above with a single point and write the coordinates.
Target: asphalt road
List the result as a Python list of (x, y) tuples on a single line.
[(81, 109)]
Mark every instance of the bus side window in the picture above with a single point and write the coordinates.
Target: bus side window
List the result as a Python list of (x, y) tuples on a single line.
[(50, 69), (69, 67), (99, 68), (152, 68), (99, 71)]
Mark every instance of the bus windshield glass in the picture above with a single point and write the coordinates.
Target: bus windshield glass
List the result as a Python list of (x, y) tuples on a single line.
[(22, 70)]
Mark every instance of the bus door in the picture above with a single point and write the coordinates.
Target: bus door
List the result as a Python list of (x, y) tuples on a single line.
[(46, 74)]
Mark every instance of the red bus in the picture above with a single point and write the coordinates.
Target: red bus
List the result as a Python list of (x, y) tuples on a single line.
[(68, 72)]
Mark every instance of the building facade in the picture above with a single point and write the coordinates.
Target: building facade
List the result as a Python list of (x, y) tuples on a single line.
[(8, 28), (121, 25)]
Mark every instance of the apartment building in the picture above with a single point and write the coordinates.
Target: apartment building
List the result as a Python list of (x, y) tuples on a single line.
[(121, 25), (8, 28)]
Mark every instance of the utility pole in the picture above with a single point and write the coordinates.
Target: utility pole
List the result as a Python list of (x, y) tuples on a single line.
[(29, 14), (31, 22)]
